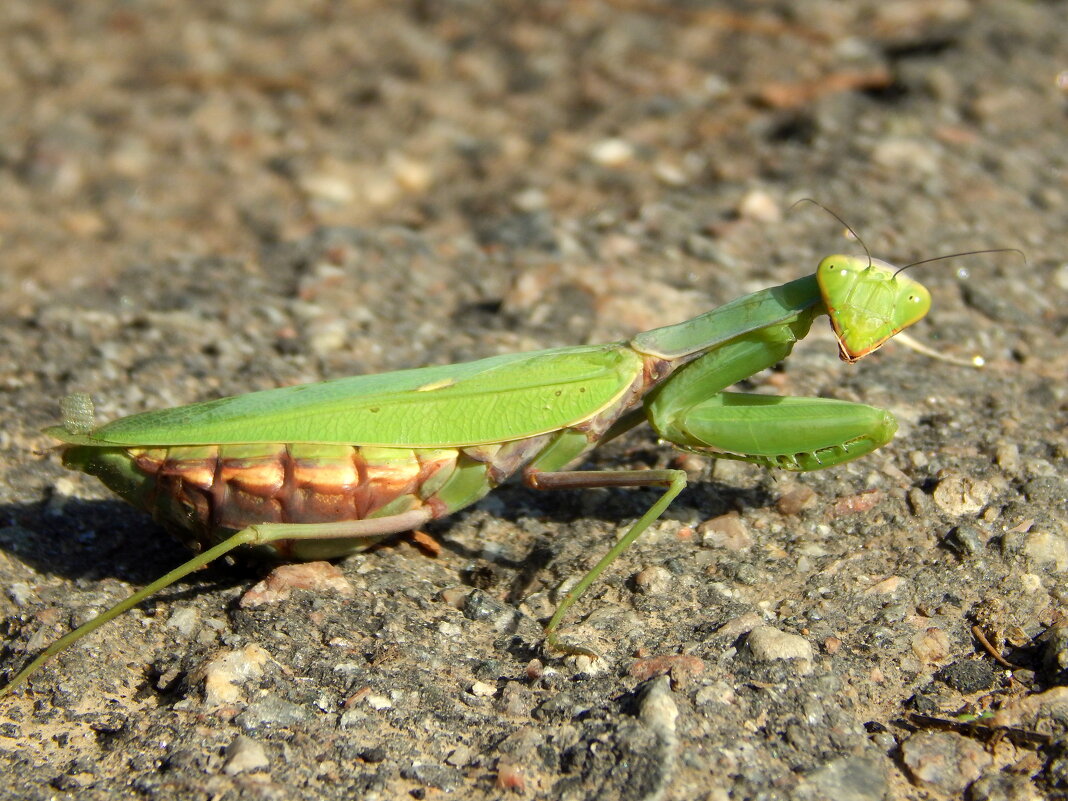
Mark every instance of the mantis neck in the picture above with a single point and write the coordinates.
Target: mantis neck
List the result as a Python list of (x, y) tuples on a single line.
[(770, 307)]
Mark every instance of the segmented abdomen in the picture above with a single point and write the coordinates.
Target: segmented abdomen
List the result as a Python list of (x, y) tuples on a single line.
[(238, 485), (202, 493)]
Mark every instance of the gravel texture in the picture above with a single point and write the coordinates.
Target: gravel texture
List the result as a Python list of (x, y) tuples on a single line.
[(202, 199)]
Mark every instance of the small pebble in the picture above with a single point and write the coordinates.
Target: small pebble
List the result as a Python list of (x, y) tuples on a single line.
[(184, 620), (224, 674), (510, 777), (611, 152), (329, 187), (888, 586), (279, 585), (515, 699), (270, 711), (742, 624), (768, 644), (959, 495), (966, 539), (432, 775), (1007, 456), (760, 206), (657, 708), (378, 702), (244, 755), (796, 500), (20, 593), (856, 504), (681, 667), (968, 676), (726, 531), (652, 580), (482, 689), (411, 175), (943, 761), (530, 200), (670, 174), (461, 756), (931, 646), (907, 156)]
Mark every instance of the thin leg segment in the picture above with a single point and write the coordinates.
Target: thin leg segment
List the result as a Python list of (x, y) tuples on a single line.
[(253, 535), (673, 480)]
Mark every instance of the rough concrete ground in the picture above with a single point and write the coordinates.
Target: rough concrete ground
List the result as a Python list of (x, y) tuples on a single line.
[(204, 199)]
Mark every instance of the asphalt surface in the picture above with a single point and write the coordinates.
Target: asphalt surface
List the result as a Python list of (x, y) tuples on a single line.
[(199, 200)]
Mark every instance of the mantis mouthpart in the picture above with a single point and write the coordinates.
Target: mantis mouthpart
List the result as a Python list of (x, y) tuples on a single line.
[(322, 470)]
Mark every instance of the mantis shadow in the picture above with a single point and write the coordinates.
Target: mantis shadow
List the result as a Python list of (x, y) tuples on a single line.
[(614, 509), (92, 540)]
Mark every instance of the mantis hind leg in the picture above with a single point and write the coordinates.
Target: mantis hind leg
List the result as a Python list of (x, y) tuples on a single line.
[(371, 528), (672, 480)]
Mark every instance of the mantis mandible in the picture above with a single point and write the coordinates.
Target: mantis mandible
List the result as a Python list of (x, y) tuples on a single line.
[(319, 471)]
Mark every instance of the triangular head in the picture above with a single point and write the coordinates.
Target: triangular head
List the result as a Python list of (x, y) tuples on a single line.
[(868, 302)]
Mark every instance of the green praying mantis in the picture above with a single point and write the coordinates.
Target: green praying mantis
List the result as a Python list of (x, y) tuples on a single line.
[(319, 471)]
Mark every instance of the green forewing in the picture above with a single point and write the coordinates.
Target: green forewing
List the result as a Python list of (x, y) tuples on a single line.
[(493, 400), (868, 303)]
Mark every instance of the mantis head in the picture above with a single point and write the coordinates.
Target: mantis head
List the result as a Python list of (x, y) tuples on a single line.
[(868, 302)]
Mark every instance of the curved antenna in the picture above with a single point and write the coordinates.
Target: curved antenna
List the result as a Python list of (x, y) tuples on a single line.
[(964, 253), (848, 227)]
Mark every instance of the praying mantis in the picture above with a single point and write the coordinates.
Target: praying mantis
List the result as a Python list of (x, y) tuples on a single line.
[(319, 471)]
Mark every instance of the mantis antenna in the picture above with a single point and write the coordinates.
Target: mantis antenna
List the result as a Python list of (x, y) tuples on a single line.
[(911, 342), (848, 227), (963, 253)]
